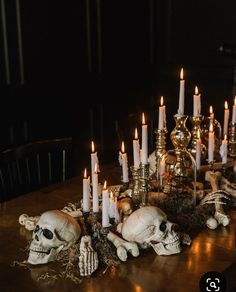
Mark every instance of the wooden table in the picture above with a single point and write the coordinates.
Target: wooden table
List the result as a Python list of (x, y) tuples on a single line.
[(210, 250)]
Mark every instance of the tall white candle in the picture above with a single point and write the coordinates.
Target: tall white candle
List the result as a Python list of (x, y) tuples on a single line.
[(198, 150), (86, 192), (181, 93), (94, 160), (136, 149), (234, 112), (224, 150), (196, 103), (226, 119), (212, 115), (211, 144), (105, 206), (95, 190), (161, 121), (144, 153), (124, 164)]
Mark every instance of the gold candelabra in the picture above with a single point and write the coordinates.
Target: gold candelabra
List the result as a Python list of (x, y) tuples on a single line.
[(160, 149), (196, 127), (232, 140), (136, 197), (143, 188)]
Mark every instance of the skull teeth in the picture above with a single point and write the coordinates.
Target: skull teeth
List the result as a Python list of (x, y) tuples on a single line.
[(40, 251)]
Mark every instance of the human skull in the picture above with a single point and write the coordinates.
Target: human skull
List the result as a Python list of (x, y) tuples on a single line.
[(148, 226), (55, 231)]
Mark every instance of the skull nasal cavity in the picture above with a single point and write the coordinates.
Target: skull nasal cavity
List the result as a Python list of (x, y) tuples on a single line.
[(36, 237)]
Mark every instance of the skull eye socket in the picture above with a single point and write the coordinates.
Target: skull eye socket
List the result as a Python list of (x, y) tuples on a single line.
[(47, 233), (36, 229), (163, 226)]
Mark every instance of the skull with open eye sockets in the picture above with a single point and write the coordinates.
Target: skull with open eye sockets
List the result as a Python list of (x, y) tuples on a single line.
[(55, 231), (148, 226)]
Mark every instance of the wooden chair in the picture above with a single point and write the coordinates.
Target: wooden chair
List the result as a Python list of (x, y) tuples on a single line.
[(33, 166)]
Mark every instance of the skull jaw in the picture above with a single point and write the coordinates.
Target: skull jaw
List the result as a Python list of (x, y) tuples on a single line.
[(167, 249), (38, 258)]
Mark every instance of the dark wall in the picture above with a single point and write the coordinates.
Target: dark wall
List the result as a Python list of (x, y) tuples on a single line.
[(79, 54)]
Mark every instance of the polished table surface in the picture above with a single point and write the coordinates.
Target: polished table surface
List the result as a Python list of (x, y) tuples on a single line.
[(211, 250)]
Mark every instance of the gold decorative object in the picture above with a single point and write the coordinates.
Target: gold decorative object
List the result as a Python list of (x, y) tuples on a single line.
[(143, 178), (196, 126), (232, 140), (160, 148), (179, 164), (135, 186)]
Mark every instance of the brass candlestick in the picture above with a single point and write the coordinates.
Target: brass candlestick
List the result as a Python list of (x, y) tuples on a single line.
[(143, 190), (196, 126), (232, 140), (160, 149), (136, 186)]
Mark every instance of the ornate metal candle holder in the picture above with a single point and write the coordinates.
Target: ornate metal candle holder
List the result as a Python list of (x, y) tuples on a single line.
[(179, 164), (104, 232), (143, 178), (160, 148), (232, 140), (196, 126), (136, 186), (94, 221)]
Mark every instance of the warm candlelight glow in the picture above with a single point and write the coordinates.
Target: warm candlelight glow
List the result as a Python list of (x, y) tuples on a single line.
[(162, 101), (111, 196), (235, 100), (105, 185), (182, 74), (211, 128), (85, 173), (211, 109), (143, 119), (196, 90), (123, 147), (198, 134), (136, 134), (226, 105), (225, 137), (96, 168), (92, 146)]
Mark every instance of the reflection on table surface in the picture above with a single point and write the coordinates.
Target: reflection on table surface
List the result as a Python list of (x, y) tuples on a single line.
[(210, 250)]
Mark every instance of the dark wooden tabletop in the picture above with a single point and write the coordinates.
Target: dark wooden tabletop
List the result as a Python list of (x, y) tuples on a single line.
[(210, 250)]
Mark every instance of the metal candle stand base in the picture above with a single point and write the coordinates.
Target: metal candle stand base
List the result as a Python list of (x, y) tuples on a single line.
[(143, 191), (95, 229), (136, 186), (160, 148), (104, 232), (232, 140)]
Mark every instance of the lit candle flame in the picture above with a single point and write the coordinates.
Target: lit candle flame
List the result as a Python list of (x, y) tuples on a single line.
[(85, 173), (182, 74), (226, 105), (198, 134), (96, 168), (211, 128), (225, 137), (162, 101), (92, 146), (123, 147), (196, 90), (211, 109), (143, 119), (136, 134), (105, 185)]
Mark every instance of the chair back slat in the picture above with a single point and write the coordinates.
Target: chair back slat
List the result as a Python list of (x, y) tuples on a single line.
[(35, 165)]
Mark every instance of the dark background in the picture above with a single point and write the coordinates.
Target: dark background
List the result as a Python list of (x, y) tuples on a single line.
[(87, 59)]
